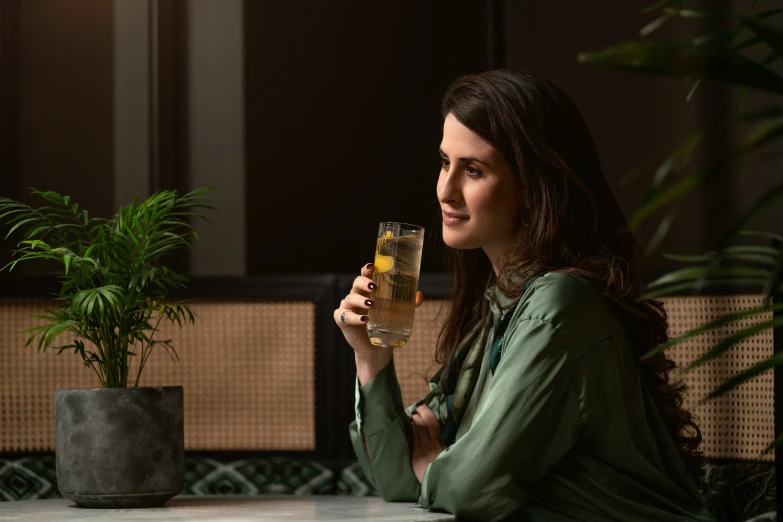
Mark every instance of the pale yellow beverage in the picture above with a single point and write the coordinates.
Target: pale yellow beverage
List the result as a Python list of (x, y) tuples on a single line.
[(397, 261)]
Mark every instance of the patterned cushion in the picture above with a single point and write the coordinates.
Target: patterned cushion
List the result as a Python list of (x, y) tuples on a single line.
[(34, 477), (255, 476), (30, 477), (353, 482)]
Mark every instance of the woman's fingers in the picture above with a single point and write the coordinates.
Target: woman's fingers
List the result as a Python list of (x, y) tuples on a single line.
[(368, 269), (417, 442), (353, 309), (419, 298), (420, 426), (356, 303), (363, 285), (349, 318), (430, 422)]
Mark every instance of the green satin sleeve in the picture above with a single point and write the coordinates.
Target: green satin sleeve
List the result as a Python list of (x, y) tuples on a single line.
[(382, 421), (528, 419)]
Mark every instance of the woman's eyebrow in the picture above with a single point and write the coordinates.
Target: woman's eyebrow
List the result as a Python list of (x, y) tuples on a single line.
[(467, 158)]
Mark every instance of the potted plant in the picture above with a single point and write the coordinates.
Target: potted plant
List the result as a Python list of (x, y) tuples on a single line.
[(120, 445), (743, 50)]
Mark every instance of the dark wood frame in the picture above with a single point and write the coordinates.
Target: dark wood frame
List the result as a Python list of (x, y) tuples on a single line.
[(168, 95)]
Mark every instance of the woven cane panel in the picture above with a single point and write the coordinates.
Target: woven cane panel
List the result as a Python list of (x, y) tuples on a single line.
[(415, 362), (248, 369), (28, 379), (739, 424)]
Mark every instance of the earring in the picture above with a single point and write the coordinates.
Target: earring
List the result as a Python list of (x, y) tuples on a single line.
[(523, 217)]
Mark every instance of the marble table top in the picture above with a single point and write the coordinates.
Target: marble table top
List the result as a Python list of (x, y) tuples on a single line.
[(229, 509)]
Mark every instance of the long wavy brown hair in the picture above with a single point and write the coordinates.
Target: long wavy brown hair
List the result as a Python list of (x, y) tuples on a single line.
[(573, 225)]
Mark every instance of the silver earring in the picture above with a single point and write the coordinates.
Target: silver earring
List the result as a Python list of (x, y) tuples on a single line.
[(523, 217)]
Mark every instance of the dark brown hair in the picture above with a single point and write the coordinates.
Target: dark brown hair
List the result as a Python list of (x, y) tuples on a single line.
[(573, 225)]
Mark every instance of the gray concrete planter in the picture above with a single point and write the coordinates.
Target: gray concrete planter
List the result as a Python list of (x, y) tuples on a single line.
[(119, 447)]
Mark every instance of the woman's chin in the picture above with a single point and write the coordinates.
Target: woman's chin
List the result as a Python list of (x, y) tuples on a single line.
[(456, 240)]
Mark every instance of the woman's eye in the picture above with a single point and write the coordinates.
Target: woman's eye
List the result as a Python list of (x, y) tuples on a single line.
[(472, 171), (444, 164)]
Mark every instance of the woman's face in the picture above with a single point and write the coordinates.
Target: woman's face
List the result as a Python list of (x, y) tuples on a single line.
[(477, 192)]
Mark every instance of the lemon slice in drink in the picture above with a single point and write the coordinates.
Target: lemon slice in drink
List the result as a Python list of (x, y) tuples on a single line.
[(383, 263), (385, 237)]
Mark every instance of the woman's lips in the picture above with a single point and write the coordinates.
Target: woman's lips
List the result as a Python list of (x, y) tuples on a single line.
[(451, 219)]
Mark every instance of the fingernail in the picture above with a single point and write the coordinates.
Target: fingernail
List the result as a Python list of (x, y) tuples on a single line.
[(369, 265), (372, 286), (364, 318), (368, 302)]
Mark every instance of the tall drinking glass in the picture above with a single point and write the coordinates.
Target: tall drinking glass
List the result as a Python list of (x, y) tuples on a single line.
[(397, 262)]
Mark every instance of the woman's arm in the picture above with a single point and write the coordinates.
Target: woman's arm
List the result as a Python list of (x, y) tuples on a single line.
[(529, 418), (382, 437)]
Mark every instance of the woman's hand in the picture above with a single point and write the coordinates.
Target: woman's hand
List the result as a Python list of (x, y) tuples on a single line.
[(427, 441), (352, 318)]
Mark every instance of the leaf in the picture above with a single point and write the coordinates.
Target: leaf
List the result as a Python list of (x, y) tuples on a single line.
[(772, 35), (661, 231), (28, 211), (762, 134), (762, 233), (758, 206), (19, 224), (732, 340), (700, 284), (655, 24), (686, 60), (657, 5), (693, 273), (711, 325), (67, 261), (688, 13), (748, 374), (776, 277), (778, 440), (766, 61), (752, 253), (91, 303), (50, 195)]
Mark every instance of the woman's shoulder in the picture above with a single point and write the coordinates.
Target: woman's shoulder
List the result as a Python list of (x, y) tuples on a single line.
[(574, 305)]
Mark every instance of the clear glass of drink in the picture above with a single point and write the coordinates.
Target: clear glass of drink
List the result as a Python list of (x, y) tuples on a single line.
[(397, 262)]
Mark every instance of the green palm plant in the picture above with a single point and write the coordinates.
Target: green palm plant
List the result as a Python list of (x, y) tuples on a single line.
[(745, 258), (112, 288)]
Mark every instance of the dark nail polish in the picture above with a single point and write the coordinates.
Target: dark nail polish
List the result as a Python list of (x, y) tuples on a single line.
[(372, 286), (369, 266), (364, 318), (368, 302)]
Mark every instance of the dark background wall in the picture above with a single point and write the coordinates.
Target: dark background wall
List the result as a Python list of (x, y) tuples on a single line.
[(343, 124), (341, 113), (65, 103), (56, 103)]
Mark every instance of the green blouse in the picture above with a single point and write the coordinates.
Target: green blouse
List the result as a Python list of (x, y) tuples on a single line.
[(564, 430)]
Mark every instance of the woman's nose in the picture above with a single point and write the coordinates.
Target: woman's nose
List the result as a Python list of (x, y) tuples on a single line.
[(448, 187)]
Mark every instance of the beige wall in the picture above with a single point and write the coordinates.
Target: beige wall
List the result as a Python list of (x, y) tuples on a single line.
[(216, 132), (131, 101)]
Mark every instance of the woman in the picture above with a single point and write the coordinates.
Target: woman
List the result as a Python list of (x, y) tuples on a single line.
[(542, 410)]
